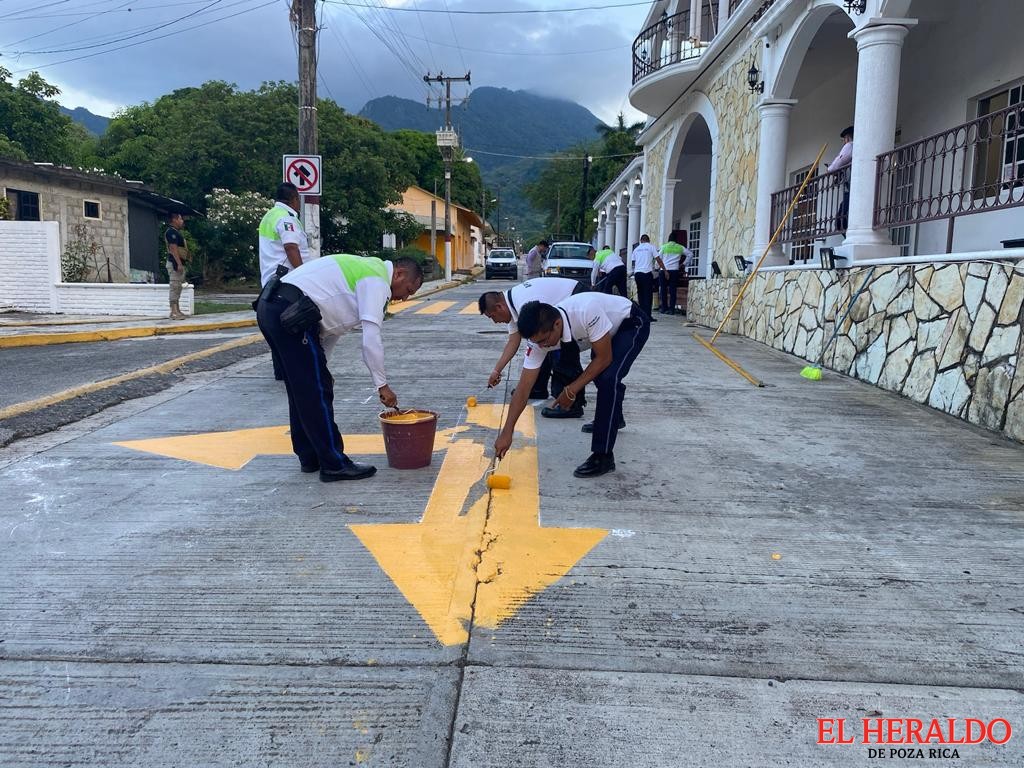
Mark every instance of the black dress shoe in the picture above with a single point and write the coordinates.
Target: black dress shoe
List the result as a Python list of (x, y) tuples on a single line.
[(597, 464), (351, 471), (558, 412), (312, 466), (589, 426)]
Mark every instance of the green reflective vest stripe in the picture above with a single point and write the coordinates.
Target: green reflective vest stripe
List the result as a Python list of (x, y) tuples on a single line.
[(356, 268), (268, 225), (672, 247), (603, 254)]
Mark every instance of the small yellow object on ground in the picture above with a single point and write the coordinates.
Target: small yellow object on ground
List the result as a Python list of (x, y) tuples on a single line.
[(503, 482), (776, 556), (471, 402), (410, 417)]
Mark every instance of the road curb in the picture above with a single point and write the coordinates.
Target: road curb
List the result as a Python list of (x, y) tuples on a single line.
[(114, 334)]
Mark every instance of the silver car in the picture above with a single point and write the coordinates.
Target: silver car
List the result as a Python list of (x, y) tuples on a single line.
[(569, 260)]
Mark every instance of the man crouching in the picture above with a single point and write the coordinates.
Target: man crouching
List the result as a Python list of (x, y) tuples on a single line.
[(615, 330)]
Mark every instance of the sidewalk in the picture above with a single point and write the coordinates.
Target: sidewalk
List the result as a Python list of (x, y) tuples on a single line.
[(176, 592), (24, 329)]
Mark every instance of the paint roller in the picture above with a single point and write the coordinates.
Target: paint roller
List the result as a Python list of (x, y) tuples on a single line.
[(496, 481)]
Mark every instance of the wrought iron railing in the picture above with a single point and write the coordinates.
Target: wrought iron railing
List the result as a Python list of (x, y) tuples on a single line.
[(733, 5), (821, 212), (665, 42), (971, 168)]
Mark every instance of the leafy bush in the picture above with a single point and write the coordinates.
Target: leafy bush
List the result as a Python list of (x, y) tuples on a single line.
[(230, 234), (79, 255)]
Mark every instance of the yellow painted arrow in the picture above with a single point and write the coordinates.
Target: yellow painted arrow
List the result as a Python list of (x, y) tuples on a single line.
[(233, 450), (463, 562)]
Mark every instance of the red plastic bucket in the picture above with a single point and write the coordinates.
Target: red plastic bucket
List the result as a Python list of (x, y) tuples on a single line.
[(409, 440)]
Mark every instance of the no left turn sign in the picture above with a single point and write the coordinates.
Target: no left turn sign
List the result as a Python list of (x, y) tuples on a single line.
[(304, 172)]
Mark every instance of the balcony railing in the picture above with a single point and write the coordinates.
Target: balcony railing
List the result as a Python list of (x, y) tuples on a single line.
[(821, 212), (666, 42), (971, 168)]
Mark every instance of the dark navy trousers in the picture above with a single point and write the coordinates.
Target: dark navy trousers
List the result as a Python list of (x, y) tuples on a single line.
[(626, 345), (315, 435), (615, 279)]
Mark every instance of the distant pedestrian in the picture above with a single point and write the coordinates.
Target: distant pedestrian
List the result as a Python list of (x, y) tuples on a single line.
[(673, 257), (608, 272), (535, 259), (843, 160), (615, 330), (302, 316), (643, 273), (283, 244), (178, 257)]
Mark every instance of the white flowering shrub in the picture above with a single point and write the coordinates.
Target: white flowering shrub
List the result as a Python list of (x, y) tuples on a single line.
[(230, 233)]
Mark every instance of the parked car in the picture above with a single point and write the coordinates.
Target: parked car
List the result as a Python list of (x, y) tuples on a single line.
[(569, 260), (501, 262)]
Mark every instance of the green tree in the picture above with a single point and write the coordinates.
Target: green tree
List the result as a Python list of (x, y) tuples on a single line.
[(32, 126), (426, 166)]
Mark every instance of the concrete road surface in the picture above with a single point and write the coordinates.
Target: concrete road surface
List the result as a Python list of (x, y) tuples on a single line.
[(762, 564)]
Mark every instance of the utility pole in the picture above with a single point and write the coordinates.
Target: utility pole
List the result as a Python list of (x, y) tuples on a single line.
[(304, 19), (447, 141), (587, 159)]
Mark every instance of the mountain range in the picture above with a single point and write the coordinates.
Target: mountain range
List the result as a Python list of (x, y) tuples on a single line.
[(516, 126), (94, 124)]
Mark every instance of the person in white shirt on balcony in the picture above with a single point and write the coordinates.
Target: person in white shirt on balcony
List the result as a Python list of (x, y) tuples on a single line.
[(843, 160)]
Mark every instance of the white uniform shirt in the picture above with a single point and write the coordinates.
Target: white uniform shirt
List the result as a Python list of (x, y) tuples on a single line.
[(586, 318), (343, 309), (643, 258), (280, 227), (548, 290), (672, 260)]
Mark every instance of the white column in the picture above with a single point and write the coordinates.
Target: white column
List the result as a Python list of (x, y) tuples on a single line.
[(621, 228), (668, 206), (609, 228), (695, 18), (643, 209), (771, 172), (874, 129), (723, 14), (633, 226)]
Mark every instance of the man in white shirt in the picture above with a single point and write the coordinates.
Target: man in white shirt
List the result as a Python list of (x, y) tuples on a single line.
[(643, 273), (302, 318), (609, 271), (561, 368), (283, 243), (615, 330), (843, 160)]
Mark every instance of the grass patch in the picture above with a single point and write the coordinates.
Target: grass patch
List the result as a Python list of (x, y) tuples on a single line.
[(213, 307)]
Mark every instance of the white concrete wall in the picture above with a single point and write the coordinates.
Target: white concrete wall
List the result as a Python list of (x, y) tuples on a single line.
[(693, 191), (119, 299), (29, 265)]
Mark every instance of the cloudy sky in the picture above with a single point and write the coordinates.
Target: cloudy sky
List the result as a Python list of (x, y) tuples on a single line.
[(106, 54)]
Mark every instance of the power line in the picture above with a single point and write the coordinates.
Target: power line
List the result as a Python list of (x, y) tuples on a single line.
[(455, 35), (520, 12), (493, 52)]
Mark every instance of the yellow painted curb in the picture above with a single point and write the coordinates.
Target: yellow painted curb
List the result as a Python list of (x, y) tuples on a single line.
[(42, 402), (113, 334)]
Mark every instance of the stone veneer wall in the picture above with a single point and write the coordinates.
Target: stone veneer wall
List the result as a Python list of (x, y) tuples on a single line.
[(737, 149), (654, 186), (946, 335)]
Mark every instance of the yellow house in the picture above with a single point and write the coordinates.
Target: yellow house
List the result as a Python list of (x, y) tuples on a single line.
[(416, 202)]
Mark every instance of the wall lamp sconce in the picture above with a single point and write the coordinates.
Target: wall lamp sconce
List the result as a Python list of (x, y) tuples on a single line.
[(644, 55), (828, 259), (742, 264), (595, 221), (858, 6), (666, 20), (637, 182), (754, 82)]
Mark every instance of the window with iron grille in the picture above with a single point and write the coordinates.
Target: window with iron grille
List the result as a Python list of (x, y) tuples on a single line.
[(26, 204), (693, 243), (999, 156)]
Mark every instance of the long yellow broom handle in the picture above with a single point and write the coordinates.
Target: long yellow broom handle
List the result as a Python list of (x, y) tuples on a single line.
[(778, 231)]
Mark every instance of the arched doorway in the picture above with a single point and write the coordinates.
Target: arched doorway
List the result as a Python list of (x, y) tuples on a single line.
[(689, 206)]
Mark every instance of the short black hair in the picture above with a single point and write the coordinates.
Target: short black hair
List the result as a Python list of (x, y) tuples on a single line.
[(409, 265), (645, 239), (847, 132), (543, 242), (487, 300), (285, 191), (535, 317)]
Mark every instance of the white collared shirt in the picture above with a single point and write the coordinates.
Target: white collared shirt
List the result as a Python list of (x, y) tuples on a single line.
[(549, 290), (586, 318), (280, 227)]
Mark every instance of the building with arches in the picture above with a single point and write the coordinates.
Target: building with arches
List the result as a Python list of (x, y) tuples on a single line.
[(741, 95)]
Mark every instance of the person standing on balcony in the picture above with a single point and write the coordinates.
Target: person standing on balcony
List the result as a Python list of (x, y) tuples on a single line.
[(843, 160), (643, 268), (673, 256), (535, 259)]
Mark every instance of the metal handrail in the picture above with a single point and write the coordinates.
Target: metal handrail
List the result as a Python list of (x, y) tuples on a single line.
[(822, 212), (974, 167)]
